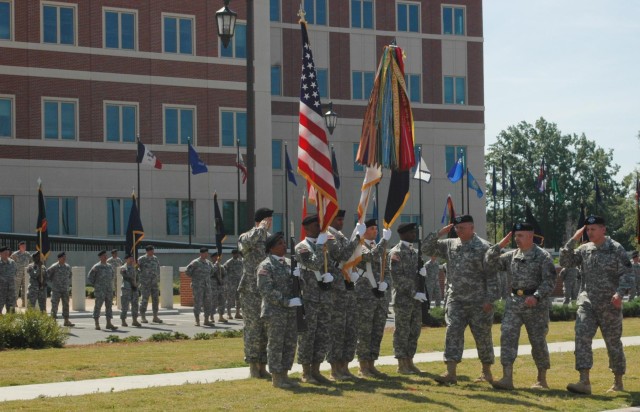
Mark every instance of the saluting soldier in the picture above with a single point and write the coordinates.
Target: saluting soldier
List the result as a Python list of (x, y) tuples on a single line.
[(37, 283), (635, 265), (218, 276), (22, 259), (252, 246), (59, 275), (570, 284), (472, 289), (129, 292), (433, 280), (149, 268), (605, 277), (372, 303), (233, 271), (200, 270), (8, 269), (275, 284), (532, 276), (101, 277)]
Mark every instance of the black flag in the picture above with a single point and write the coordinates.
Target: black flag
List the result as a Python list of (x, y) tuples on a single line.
[(135, 232), (220, 232), (398, 196), (42, 245)]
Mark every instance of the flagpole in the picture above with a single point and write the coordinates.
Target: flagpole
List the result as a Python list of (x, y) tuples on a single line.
[(420, 185), (377, 218), (495, 218), (189, 185), (238, 172), (555, 218), (138, 163), (504, 221), (286, 195), (468, 198)]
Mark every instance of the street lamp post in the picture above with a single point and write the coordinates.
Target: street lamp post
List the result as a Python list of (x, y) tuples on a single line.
[(330, 117)]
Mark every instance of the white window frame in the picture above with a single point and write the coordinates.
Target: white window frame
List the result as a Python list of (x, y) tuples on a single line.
[(193, 33), (453, 6), (315, 12), (419, 16), (120, 104), (466, 90), (74, 100), (232, 42), (180, 107), (373, 17), (74, 6), (12, 98), (122, 214), (120, 11), (408, 86), (235, 110), (11, 20), (180, 217)]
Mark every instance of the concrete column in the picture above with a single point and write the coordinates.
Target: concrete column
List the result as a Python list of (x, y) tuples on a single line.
[(118, 286), (166, 287), (26, 288), (78, 285)]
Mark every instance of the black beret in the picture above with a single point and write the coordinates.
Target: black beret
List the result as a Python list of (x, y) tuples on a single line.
[(309, 220), (149, 247), (62, 254), (102, 253), (204, 249), (407, 227), (263, 213), (522, 226), (272, 240), (4, 249), (114, 251), (371, 222), (128, 255), (22, 242), (463, 219), (341, 213), (634, 254), (594, 220), (35, 255), (234, 251), (214, 254)]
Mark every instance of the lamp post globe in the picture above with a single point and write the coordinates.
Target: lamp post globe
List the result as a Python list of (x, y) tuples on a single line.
[(226, 21)]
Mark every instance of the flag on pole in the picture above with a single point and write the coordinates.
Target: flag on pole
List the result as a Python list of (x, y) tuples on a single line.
[(334, 169), (422, 171), (303, 233), (397, 197), (287, 162), (456, 171), (448, 215), (43, 246), (494, 186), (197, 165), (596, 188), (472, 183), (135, 232), (541, 184), (147, 157), (513, 190), (221, 234), (538, 237), (242, 167), (581, 219), (555, 189), (314, 160)]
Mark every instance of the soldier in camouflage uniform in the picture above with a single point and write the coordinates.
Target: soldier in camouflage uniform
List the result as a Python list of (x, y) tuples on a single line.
[(218, 277), (635, 265), (116, 263), (8, 269), (149, 277), (101, 277), (408, 295), (275, 284), (252, 246), (37, 283), (200, 270), (129, 292), (372, 304), (471, 291), (313, 345), (22, 259), (342, 328), (570, 284), (533, 277), (59, 276), (605, 277), (433, 280), (233, 271)]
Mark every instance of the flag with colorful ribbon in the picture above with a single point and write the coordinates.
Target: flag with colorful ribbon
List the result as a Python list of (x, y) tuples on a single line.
[(42, 244)]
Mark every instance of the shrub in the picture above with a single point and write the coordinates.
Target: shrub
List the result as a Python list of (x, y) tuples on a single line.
[(132, 339), (180, 336), (230, 333), (563, 312), (32, 329), (113, 339), (498, 313), (89, 292), (161, 337), (202, 336)]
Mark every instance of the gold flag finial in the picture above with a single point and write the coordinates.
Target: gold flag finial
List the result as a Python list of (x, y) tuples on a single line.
[(301, 14)]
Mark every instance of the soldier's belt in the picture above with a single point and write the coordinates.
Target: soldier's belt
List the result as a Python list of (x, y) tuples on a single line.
[(523, 292)]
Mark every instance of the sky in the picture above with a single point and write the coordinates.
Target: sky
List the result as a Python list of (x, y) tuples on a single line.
[(574, 62)]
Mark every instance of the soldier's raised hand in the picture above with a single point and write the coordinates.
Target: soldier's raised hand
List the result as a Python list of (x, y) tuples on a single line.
[(445, 230), (578, 234), (506, 240)]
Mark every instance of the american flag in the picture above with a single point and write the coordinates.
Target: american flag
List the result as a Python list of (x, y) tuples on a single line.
[(314, 157), (242, 167)]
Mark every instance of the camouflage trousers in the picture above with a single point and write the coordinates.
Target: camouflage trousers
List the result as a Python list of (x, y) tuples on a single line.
[(35, 294), (570, 289), (535, 321), (201, 299), (458, 316), (231, 295), (408, 325), (217, 298), (56, 296), (154, 292), (21, 285), (255, 331), (313, 345), (371, 318), (281, 333), (433, 288), (7, 296), (129, 297), (343, 326), (588, 318), (106, 298)]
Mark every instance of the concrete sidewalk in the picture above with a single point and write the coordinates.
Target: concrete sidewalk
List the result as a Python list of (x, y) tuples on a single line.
[(106, 385)]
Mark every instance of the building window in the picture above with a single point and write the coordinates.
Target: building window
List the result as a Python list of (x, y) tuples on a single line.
[(276, 154), (452, 154), (178, 217), (120, 122), (323, 82), (453, 20), (234, 128), (316, 12), (454, 90), (179, 124), (276, 80), (233, 225), (357, 167), (58, 24), (410, 219), (361, 84), (120, 29), (6, 20), (6, 116), (408, 15), (6, 214), (60, 119), (274, 10), (362, 14), (237, 47), (118, 216), (414, 88), (62, 215), (178, 34)]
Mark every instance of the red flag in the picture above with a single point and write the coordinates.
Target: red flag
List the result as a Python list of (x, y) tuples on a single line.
[(243, 168), (314, 157)]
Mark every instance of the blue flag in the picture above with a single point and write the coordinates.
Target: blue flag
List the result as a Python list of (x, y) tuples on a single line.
[(287, 162), (472, 183), (197, 165), (456, 171)]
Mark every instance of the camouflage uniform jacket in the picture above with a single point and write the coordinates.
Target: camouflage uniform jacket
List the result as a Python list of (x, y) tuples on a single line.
[(101, 277), (570, 273), (200, 271), (468, 281), (403, 265), (532, 270), (218, 274), (433, 270), (129, 277), (116, 263), (8, 270), (252, 246), (149, 268), (604, 269), (340, 250), (22, 259), (37, 276), (59, 277), (275, 284), (233, 268), (372, 254), (310, 258)]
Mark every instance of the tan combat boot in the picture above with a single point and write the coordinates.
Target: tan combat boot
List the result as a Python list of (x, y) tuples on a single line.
[(198, 320), (254, 370), (449, 377), (335, 374), (485, 375), (143, 318), (376, 372), (618, 386), (238, 314), (136, 323), (123, 322), (403, 367), (221, 319), (207, 322), (506, 382), (583, 386), (68, 323), (111, 325), (346, 372), (293, 383), (412, 366), (365, 371), (315, 372), (97, 321), (541, 382), (279, 381), (156, 319), (307, 376), (263, 371)]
